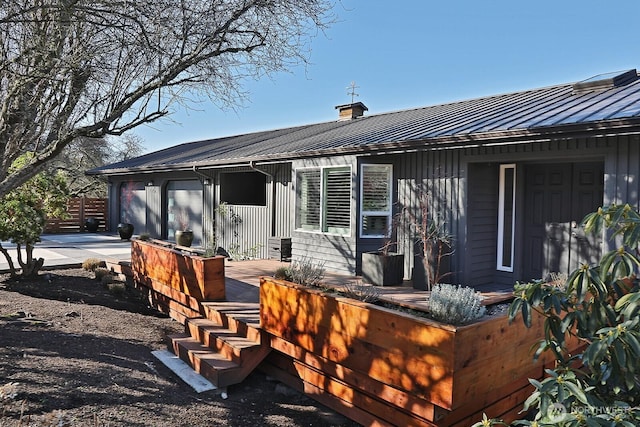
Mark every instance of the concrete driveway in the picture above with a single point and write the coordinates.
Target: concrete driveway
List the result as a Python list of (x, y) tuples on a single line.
[(69, 250)]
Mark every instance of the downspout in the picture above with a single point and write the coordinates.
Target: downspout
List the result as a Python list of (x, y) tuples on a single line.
[(200, 174), (252, 166), (209, 219)]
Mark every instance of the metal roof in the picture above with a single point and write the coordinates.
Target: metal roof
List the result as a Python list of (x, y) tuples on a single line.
[(548, 112)]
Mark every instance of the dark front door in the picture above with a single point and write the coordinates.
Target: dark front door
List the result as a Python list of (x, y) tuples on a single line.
[(557, 197)]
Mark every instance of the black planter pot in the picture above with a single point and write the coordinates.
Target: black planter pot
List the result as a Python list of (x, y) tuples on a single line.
[(184, 238), (91, 224), (419, 273), (383, 269), (125, 230)]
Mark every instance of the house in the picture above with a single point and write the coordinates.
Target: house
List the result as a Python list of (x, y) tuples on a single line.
[(510, 176)]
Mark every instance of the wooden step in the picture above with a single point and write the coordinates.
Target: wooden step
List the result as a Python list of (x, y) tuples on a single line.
[(240, 317), (221, 371), (224, 352), (228, 343)]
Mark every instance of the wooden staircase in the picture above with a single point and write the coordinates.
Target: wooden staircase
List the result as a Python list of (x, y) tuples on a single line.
[(225, 345)]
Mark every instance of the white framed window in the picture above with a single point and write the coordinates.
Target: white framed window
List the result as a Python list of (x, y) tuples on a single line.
[(375, 200), (323, 200), (506, 217)]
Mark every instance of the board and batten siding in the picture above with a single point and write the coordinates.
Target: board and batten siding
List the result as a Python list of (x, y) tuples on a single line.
[(244, 230), (433, 180), (463, 187)]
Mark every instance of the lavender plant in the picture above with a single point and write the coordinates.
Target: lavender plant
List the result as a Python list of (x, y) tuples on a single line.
[(455, 304)]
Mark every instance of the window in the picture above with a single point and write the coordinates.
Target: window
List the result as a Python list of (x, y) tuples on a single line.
[(324, 200), (243, 188), (375, 200), (506, 217)]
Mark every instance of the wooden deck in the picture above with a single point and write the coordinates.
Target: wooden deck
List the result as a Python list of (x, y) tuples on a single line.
[(243, 283)]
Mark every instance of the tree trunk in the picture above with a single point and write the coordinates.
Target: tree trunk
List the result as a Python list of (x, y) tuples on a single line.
[(12, 268), (32, 266)]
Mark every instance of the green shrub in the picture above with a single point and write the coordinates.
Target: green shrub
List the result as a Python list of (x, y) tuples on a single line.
[(455, 304), (599, 305), (91, 264), (283, 273)]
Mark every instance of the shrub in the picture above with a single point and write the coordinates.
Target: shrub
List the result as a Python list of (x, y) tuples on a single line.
[(91, 264), (306, 272), (101, 273), (455, 304), (358, 290), (282, 273), (116, 288), (599, 305)]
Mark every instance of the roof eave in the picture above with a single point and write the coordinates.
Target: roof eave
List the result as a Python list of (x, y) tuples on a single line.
[(507, 137)]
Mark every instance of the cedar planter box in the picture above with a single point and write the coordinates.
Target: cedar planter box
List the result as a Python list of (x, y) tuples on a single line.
[(196, 276), (396, 367)]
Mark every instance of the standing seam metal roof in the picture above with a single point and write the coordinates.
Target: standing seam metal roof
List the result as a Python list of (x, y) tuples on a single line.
[(532, 111)]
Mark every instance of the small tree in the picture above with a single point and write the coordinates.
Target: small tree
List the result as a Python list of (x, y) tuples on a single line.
[(23, 214), (432, 238), (599, 305)]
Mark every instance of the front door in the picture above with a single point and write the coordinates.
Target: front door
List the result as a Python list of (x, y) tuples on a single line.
[(557, 197)]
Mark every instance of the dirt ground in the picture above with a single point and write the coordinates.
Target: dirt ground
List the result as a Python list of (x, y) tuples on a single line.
[(75, 353)]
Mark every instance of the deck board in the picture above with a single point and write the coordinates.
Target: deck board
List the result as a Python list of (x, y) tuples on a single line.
[(243, 284)]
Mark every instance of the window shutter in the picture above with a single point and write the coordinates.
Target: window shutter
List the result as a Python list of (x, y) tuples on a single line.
[(338, 200), (309, 199)]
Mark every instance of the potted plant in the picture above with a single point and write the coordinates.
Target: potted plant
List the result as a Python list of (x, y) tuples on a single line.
[(91, 224), (184, 235), (433, 245), (383, 267)]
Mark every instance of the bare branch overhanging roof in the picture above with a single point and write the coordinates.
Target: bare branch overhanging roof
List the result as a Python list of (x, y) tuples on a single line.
[(549, 112)]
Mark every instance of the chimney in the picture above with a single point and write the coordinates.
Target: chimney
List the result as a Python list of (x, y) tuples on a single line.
[(351, 111)]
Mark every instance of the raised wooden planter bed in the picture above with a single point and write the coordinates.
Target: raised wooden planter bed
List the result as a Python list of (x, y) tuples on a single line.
[(195, 276), (383, 366)]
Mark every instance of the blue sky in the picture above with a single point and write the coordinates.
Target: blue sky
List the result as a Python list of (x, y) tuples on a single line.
[(406, 54)]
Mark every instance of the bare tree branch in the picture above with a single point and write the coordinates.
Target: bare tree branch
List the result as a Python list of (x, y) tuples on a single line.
[(91, 68)]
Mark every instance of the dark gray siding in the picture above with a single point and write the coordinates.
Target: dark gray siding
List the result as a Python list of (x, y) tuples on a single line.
[(482, 223), (464, 191), (257, 223), (438, 174), (245, 229)]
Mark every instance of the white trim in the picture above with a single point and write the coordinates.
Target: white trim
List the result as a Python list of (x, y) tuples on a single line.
[(387, 213), (322, 218), (501, 211)]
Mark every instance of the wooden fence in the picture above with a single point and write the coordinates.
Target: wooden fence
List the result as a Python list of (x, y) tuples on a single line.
[(79, 209)]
